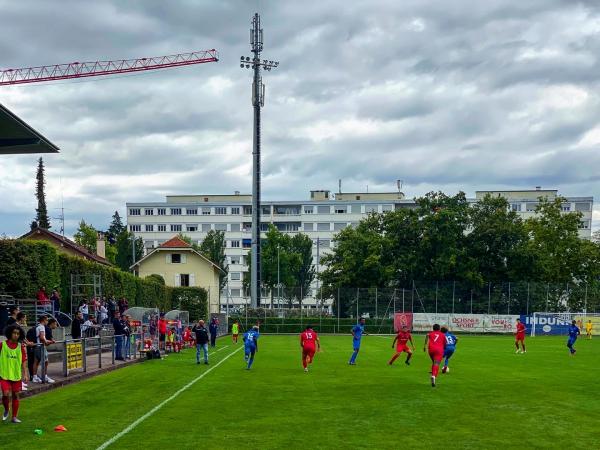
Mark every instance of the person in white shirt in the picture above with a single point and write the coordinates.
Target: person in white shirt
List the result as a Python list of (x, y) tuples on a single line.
[(41, 355), (83, 309)]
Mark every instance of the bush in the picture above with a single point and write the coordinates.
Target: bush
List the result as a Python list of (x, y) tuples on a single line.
[(25, 266)]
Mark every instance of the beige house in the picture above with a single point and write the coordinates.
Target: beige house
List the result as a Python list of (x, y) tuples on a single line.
[(180, 265)]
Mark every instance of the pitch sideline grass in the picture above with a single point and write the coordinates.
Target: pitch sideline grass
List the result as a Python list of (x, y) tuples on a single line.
[(491, 398)]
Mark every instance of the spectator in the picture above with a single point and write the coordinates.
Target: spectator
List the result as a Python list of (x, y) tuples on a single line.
[(55, 299), (12, 318), (52, 325), (31, 346), (126, 338), (12, 363), (123, 305), (22, 323), (102, 314), (201, 341), (42, 299), (89, 327), (162, 331), (213, 328), (83, 309), (41, 354), (112, 307), (76, 326), (119, 333)]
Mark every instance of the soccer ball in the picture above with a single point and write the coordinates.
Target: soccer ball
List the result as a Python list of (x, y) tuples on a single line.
[(445, 369)]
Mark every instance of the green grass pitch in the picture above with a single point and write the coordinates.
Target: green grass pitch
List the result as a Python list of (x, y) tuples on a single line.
[(492, 398)]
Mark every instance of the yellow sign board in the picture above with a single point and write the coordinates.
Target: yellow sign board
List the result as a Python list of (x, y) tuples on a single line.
[(74, 355)]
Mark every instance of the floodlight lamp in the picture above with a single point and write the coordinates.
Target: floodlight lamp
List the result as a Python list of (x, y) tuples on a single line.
[(247, 58), (242, 66), (241, 58), (247, 66)]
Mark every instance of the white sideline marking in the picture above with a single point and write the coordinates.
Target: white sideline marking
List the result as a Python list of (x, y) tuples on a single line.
[(164, 402)]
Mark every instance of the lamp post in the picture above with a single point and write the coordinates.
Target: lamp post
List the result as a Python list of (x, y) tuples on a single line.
[(258, 101)]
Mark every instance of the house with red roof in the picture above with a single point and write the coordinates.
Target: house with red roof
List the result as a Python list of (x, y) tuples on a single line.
[(181, 265)]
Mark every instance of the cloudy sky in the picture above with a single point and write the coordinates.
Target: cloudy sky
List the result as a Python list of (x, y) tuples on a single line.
[(453, 96)]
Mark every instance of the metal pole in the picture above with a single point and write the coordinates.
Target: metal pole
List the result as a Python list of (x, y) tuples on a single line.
[(65, 366), (338, 311), (547, 294), (258, 100), (585, 300), (99, 350), (112, 341), (84, 352), (376, 315), (412, 306), (132, 252), (357, 295), (278, 281)]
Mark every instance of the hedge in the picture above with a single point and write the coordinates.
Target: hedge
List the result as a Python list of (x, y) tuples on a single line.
[(25, 266)]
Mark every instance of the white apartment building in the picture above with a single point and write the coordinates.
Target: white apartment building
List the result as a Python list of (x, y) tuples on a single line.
[(320, 218)]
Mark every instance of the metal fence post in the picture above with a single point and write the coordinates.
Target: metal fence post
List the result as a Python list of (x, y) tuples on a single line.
[(65, 366), (112, 344), (412, 305), (43, 362), (338, 311), (100, 350), (376, 311), (84, 353)]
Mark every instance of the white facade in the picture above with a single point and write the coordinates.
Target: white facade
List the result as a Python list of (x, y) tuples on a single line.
[(320, 218)]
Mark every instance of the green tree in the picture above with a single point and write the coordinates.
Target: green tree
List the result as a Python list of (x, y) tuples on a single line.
[(41, 217), (156, 278), (125, 245), (303, 270), (116, 228), (86, 236), (213, 247)]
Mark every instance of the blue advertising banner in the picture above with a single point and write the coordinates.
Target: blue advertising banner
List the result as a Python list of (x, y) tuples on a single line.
[(546, 324)]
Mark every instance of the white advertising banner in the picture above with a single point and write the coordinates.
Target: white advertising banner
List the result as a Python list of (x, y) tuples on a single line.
[(467, 323)]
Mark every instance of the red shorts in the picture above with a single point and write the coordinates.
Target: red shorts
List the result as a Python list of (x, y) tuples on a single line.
[(402, 348), (308, 351), (8, 386), (520, 337), (436, 355)]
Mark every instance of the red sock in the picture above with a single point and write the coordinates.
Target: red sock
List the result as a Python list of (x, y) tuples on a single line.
[(5, 402), (394, 358), (15, 406), (304, 362), (523, 347), (435, 370)]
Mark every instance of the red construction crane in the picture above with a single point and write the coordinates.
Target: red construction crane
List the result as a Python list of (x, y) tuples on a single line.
[(99, 68)]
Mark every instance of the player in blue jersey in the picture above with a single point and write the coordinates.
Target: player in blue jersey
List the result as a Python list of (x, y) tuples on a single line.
[(357, 333), (573, 333), (451, 341), (250, 345)]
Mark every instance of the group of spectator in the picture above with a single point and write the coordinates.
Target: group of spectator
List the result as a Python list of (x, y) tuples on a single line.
[(48, 303), (102, 309)]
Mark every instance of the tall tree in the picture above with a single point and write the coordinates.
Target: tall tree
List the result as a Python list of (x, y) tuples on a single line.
[(116, 228), (41, 211), (86, 236), (303, 270), (125, 245), (213, 247)]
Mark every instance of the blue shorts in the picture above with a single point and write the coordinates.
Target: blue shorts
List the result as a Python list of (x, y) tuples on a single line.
[(356, 344), (571, 341), (250, 349), (449, 352)]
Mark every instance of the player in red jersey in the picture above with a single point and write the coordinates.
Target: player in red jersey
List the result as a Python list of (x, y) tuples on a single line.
[(435, 343), (308, 339), (402, 338), (520, 336)]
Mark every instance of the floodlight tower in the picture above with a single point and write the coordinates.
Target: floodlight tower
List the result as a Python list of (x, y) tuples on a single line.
[(258, 101)]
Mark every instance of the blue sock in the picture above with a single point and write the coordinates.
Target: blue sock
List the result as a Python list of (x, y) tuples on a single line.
[(250, 361), (446, 361), (353, 357)]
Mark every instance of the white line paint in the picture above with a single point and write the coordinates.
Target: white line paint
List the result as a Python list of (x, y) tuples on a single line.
[(164, 402)]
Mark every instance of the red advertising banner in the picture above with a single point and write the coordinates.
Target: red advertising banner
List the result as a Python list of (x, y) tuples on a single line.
[(403, 319)]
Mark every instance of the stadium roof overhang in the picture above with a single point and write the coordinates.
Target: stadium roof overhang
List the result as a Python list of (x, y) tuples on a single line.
[(16, 137)]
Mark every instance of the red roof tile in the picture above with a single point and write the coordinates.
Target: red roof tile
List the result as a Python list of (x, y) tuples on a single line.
[(175, 242)]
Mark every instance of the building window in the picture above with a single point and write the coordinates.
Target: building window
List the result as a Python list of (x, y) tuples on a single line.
[(175, 211), (235, 276), (338, 226), (191, 227), (264, 227), (176, 258), (370, 208), (184, 279), (149, 227), (356, 209), (175, 227), (135, 211), (235, 244), (135, 228), (308, 210), (206, 227), (323, 226), (247, 210), (340, 210), (308, 226), (221, 226), (234, 259), (234, 227), (565, 207), (191, 211), (206, 211), (162, 211), (236, 293), (530, 207), (235, 210), (385, 208), (162, 228), (323, 243), (220, 210), (246, 243), (516, 207), (584, 224), (323, 209), (149, 211), (582, 206), (358, 197)]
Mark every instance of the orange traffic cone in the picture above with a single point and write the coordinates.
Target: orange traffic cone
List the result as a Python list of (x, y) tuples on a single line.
[(60, 428)]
